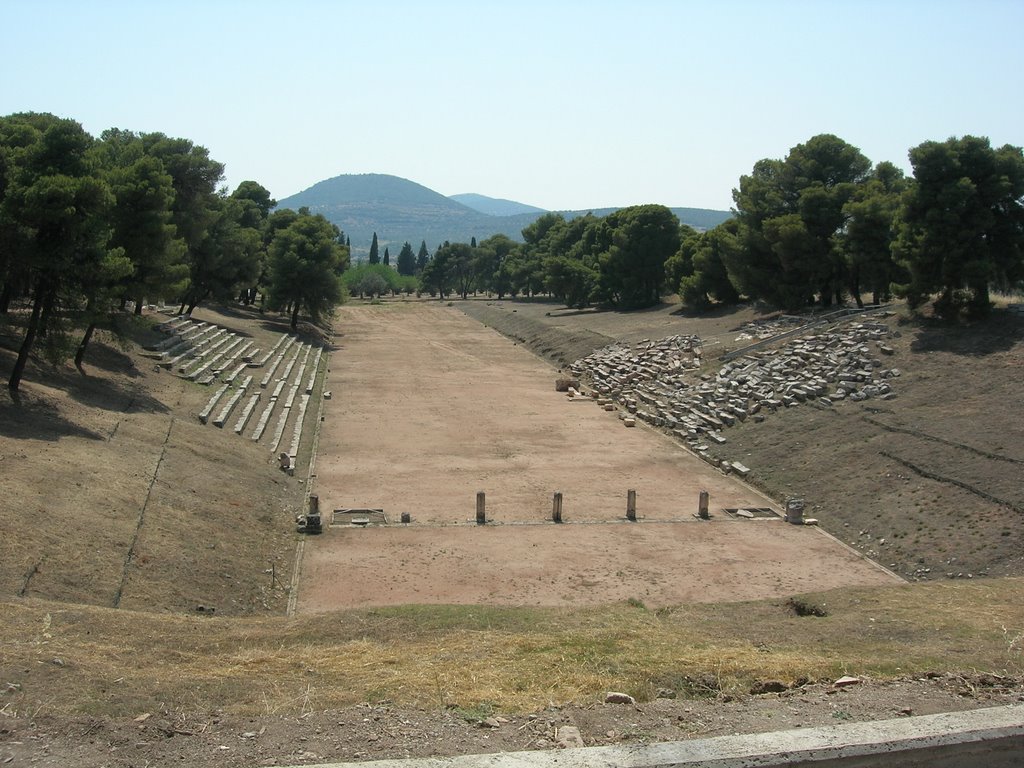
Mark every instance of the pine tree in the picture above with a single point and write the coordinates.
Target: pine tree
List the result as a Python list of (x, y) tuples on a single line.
[(422, 257), (406, 261), (374, 256)]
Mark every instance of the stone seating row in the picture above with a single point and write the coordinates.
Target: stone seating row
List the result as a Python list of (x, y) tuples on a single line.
[(284, 392)]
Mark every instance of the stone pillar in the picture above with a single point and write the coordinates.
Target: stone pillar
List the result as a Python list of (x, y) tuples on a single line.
[(702, 506), (314, 504), (795, 511), (556, 507), (631, 505), (406, 518), (481, 515)]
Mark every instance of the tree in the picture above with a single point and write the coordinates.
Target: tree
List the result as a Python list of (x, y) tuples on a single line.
[(867, 239), (570, 280), (226, 259), (370, 279), (306, 262), (791, 216), (962, 223), (526, 267), (709, 280), (436, 277), (142, 219), (259, 196), (387, 257), (422, 257), (374, 256), (406, 262), (680, 264), (56, 212), (632, 269), (491, 262), (196, 209), (455, 260), (256, 205)]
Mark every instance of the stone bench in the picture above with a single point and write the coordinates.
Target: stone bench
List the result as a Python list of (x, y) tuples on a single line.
[(316, 367), (222, 417), (205, 413), (250, 406)]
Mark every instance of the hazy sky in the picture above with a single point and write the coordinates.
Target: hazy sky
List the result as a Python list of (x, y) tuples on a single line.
[(562, 105)]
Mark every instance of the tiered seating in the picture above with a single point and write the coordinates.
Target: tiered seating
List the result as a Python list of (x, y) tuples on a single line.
[(204, 414), (203, 353), (239, 393)]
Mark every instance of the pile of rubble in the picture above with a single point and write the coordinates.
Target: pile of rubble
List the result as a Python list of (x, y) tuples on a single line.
[(658, 381)]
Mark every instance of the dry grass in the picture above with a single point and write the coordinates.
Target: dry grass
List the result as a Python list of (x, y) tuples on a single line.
[(122, 663)]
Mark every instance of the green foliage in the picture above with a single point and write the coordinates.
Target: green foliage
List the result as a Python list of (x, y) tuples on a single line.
[(632, 269), (709, 279), (142, 219), (422, 257), (406, 261), (371, 280), (962, 223), (571, 280), (488, 264), (306, 262), (374, 254), (227, 258), (866, 243), (791, 217), (87, 225), (55, 218)]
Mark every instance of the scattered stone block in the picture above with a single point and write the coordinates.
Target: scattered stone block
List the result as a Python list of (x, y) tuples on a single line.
[(846, 681), (563, 384), (615, 697)]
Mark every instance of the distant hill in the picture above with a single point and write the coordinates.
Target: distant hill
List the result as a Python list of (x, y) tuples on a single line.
[(495, 206), (399, 210)]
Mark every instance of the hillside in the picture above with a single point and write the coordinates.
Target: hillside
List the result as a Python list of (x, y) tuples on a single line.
[(493, 206), (400, 211)]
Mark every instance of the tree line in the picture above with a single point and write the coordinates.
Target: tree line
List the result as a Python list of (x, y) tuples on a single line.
[(616, 260), (822, 226), (90, 226), (825, 224)]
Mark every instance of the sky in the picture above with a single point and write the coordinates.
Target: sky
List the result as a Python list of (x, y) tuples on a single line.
[(562, 105)]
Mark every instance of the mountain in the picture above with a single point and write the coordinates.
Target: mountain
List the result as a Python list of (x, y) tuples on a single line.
[(495, 206), (399, 210)]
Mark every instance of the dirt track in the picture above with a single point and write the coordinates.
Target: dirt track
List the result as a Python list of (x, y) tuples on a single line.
[(430, 407)]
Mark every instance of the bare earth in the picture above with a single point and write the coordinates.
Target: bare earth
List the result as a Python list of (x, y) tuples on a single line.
[(413, 375)]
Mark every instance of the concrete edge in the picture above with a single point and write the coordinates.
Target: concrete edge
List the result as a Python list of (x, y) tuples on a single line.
[(974, 737)]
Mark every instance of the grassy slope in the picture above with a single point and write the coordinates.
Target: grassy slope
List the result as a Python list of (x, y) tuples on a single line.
[(221, 513), (122, 662), (97, 466)]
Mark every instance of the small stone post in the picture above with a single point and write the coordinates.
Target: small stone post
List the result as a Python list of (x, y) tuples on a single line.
[(795, 511), (314, 504), (556, 507), (481, 515), (631, 505), (702, 506), (406, 518)]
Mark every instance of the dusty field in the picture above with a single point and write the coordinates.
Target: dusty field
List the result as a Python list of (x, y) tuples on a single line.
[(429, 407), (927, 484)]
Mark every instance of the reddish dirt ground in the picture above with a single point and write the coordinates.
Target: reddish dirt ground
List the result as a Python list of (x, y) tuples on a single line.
[(429, 407)]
